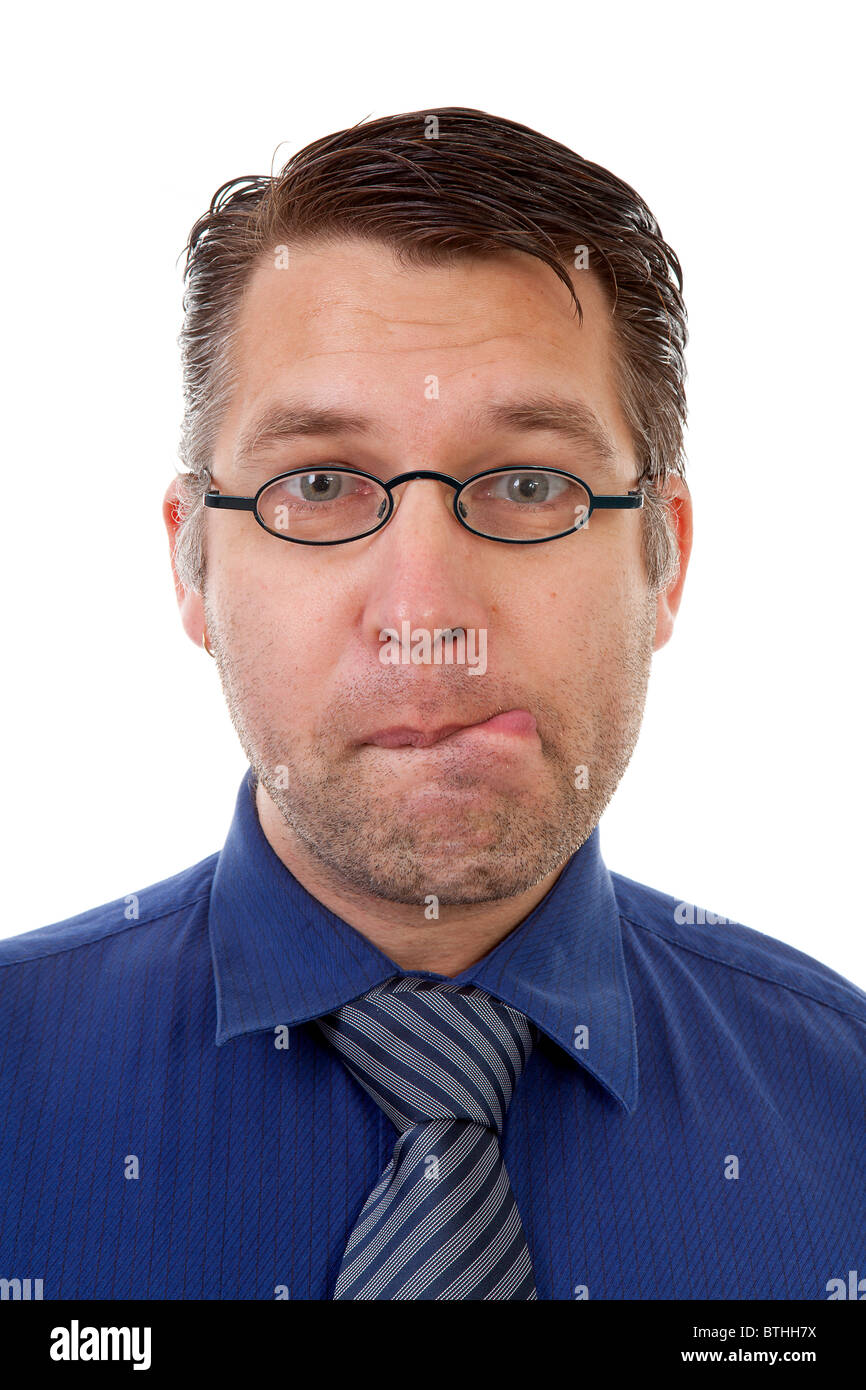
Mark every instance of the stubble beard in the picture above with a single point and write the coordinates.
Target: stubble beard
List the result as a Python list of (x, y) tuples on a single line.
[(343, 804)]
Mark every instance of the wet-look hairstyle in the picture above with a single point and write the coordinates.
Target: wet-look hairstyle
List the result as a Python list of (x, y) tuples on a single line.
[(434, 187)]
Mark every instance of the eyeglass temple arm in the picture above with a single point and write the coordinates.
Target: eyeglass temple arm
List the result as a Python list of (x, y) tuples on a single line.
[(233, 504), (631, 499)]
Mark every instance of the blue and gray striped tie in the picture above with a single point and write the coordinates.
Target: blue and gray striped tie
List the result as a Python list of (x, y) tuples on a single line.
[(441, 1223)]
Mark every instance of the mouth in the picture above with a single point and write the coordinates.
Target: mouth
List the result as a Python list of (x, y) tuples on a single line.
[(512, 723)]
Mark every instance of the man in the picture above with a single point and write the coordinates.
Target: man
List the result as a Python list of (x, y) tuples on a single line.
[(405, 1037)]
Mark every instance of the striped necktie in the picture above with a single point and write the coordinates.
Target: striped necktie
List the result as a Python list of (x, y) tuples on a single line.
[(441, 1223)]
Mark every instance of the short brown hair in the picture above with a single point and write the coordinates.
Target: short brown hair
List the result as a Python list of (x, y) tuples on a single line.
[(435, 186)]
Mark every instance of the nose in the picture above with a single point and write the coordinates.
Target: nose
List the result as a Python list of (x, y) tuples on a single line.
[(425, 565)]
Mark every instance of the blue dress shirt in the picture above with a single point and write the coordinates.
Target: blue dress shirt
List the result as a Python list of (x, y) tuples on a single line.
[(691, 1123)]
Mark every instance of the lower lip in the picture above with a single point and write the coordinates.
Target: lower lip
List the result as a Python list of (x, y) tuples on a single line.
[(516, 723)]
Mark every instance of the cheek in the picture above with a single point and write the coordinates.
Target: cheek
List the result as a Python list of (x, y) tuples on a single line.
[(616, 576), (294, 627), (594, 611), (295, 631), (603, 582)]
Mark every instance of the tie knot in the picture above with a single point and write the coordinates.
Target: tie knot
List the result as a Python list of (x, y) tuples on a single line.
[(431, 1051)]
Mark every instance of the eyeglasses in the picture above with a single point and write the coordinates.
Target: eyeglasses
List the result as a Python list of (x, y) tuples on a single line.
[(329, 506)]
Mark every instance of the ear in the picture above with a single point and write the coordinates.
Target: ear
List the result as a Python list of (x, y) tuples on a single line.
[(680, 516), (189, 600)]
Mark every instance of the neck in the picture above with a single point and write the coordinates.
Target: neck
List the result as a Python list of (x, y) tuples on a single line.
[(445, 945)]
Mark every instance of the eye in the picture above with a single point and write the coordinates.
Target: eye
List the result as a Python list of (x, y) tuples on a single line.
[(525, 486), (323, 485), (321, 504)]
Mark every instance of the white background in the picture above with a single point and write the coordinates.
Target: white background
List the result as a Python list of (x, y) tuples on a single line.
[(739, 126)]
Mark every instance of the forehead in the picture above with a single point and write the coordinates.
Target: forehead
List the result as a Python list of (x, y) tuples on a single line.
[(346, 318)]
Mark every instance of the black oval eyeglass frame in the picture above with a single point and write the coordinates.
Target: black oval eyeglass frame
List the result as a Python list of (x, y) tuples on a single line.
[(214, 498)]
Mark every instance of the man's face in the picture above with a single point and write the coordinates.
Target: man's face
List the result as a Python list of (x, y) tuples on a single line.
[(295, 629)]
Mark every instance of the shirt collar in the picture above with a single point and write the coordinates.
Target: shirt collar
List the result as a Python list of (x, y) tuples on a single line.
[(281, 957)]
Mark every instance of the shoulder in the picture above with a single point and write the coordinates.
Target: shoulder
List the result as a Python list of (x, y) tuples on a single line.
[(704, 944), (129, 919)]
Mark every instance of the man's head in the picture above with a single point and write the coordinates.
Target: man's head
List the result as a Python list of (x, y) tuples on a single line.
[(419, 274)]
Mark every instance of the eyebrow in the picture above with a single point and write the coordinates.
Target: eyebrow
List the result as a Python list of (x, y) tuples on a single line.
[(281, 423), (551, 413), (573, 419)]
